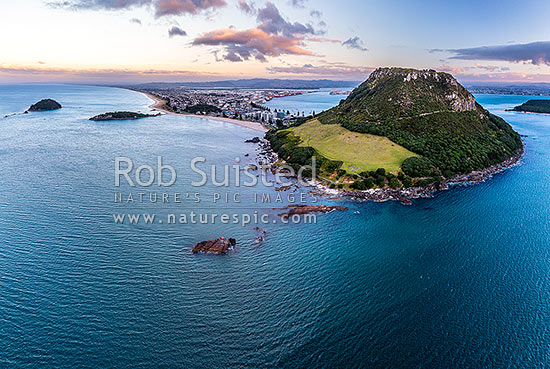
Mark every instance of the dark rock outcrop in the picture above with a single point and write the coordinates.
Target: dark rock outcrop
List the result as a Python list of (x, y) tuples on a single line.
[(253, 140), (306, 209), (45, 105), (217, 246)]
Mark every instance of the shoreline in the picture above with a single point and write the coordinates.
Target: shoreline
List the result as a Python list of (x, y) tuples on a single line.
[(526, 112), (404, 195), (159, 105)]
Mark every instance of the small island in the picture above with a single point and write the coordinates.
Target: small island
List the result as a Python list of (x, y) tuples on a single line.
[(122, 115), (534, 106), (45, 105)]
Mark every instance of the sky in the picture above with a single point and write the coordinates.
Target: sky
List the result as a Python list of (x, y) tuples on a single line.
[(131, 41)]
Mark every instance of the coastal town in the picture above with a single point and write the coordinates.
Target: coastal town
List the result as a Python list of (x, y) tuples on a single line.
[(241, 104)]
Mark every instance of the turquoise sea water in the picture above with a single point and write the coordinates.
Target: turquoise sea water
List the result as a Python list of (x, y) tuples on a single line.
[(460, 280)]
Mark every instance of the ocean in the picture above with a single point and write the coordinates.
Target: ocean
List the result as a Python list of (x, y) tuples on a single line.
[(459, 280)]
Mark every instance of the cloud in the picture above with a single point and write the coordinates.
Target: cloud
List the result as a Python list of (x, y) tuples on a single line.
[(323, 39), (354, 43), (247, 7), (298, 3), (100, 4), (536, 53), (315, 13), (107, 76), (475, 69), (491, 68), (271, 21), (178, 7), (273, 36), (241, 45), (161, 7), (338, 70), (176, 31), (136, 21)]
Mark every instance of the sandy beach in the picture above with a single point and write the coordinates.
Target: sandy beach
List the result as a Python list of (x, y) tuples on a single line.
[(158, 104)]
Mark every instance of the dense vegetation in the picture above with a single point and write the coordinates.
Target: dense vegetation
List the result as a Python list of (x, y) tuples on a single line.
[(286, 144), (202, 108), (430, 114), (121, 115), (534, 106)]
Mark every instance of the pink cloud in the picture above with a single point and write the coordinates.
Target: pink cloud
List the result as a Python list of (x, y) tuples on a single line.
[(177, 7), (241, 45), (338, 70), (31, 74)]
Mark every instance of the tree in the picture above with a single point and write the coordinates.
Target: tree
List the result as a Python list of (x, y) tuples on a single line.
[(417, 167), (407, 182), (369, 183), (358, 185), (394, 183), (381, 171)]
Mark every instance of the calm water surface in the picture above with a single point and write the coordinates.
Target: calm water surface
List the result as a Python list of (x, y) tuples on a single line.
[(461, 280), (314, 102)]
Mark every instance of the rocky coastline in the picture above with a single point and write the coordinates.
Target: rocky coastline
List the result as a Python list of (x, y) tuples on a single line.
[(405, 195)]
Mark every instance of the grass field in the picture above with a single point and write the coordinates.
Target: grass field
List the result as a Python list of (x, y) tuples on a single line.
[(358, 151)]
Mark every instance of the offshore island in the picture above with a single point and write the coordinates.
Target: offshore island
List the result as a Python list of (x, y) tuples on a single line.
[(121, 115), (45, 105), (534, 106)]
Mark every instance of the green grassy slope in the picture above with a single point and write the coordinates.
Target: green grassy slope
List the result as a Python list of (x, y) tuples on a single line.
[(359, 152)]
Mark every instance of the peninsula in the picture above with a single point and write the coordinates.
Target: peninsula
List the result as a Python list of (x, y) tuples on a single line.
[(534, 106), (401, 129), (122, 115)]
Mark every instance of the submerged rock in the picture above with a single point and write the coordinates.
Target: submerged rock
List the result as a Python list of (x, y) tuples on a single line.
[(217, 246), (44, 105), (306, 209)]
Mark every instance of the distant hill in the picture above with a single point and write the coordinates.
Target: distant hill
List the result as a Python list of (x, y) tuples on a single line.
[(532, 89), (534, 106), (257, 83), (425, 112)]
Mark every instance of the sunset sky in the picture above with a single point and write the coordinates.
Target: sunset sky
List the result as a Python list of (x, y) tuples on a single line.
[(126, 41)]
